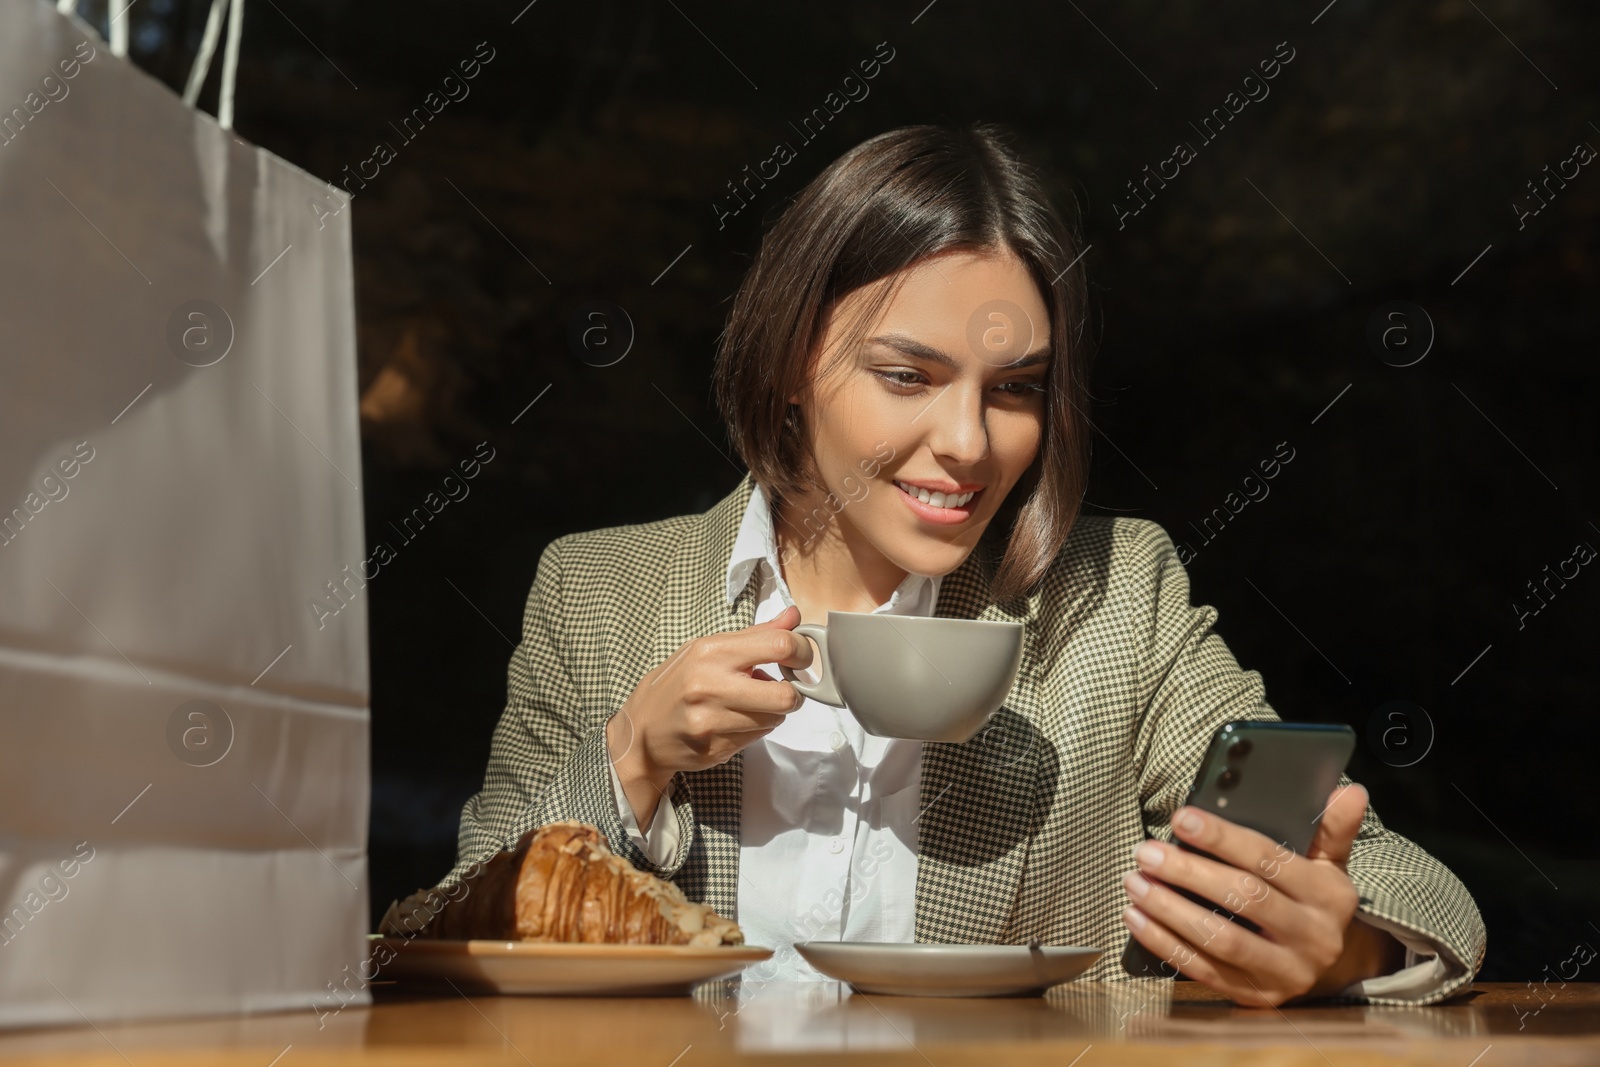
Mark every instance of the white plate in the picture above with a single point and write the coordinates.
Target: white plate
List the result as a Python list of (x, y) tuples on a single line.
[(922, 970), (561, 968)]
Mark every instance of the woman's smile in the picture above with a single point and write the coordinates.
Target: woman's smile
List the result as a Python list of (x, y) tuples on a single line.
[(939, 508)]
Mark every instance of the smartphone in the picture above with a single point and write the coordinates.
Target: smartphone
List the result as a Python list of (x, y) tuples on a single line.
[(1271, 777)]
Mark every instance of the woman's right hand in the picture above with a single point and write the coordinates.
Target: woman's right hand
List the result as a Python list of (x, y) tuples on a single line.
[(702, 705)]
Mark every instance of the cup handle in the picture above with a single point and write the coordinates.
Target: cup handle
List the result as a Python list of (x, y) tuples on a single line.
[(823, 688)]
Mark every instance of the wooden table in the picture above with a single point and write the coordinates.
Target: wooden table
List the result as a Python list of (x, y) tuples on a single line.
[(1088, 1024)]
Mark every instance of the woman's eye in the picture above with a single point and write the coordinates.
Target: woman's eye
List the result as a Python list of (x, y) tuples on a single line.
[(905, 379), (1023, 389)]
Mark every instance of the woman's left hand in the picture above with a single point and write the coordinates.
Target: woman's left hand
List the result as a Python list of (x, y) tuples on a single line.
[(1310, 944)]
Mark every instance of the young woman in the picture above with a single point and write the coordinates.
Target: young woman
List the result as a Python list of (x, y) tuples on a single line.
[(904, 372)]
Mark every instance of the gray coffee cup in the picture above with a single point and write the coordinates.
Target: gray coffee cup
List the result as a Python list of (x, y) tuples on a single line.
[(923, 678)]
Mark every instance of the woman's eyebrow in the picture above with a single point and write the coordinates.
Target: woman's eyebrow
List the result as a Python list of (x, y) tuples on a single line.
[(912, 347)]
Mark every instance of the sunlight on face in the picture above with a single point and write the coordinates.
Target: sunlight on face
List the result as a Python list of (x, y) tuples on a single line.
[(937, 396)]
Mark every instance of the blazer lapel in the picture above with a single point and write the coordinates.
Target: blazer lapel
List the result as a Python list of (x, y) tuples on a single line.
[(978, 799), (696, 604)]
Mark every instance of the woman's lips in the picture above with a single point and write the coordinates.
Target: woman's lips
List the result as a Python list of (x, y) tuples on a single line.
[(940, 516)]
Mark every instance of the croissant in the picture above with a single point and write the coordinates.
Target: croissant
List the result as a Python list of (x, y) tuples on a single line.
[(560, 883)]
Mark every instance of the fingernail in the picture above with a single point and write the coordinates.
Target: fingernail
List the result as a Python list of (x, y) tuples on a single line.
[(1136, 886), (1149, 854), (1188, 821), (1133, 917)]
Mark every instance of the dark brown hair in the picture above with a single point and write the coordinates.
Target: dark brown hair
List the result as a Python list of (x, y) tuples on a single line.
[(886, 204)]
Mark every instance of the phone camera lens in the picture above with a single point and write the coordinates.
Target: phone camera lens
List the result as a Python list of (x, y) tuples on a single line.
[(1239, 749), (1228, 778)]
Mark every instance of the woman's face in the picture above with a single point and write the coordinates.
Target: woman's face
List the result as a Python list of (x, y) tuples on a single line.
[(945, 394)]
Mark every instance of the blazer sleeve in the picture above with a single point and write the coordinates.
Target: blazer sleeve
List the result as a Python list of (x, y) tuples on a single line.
[(548, 759), (1189, 684)]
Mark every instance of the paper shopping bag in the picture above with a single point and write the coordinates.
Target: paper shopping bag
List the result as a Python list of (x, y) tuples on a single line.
[(183, 736)]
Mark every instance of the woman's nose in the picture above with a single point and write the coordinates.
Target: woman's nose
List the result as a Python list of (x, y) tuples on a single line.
[(959, 430)]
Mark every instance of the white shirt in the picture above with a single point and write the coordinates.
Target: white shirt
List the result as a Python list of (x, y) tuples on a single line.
[(828, 836)]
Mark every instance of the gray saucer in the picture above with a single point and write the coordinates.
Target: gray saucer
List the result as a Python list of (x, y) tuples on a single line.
[(923, 970)]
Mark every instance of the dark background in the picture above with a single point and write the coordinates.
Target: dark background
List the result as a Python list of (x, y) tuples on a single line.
[(1383, 565)]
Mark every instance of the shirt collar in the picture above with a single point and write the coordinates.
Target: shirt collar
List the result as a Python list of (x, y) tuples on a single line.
[(756, 544)]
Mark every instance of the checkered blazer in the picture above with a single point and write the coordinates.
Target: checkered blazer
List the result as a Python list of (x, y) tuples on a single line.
[(1026, 830)]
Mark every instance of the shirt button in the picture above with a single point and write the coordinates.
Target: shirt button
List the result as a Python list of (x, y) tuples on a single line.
[(836, 845), (836, 739)]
